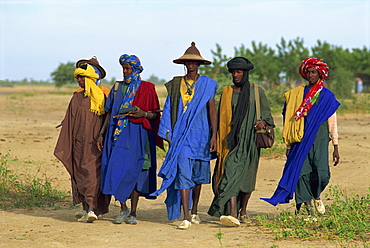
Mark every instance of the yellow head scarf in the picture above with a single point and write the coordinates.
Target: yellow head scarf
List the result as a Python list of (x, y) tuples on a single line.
[(92, 91)]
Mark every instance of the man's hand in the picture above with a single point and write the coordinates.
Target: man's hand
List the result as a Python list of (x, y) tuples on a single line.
[(100, 143), (260, 125), (213, 144), (336, 155), (138, 113)]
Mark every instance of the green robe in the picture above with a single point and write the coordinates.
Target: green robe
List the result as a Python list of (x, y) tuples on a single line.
[(315, 173), (241, 163)]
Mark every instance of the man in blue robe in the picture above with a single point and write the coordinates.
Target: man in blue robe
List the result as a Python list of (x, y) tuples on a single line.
[(130, 136), (189, 125)]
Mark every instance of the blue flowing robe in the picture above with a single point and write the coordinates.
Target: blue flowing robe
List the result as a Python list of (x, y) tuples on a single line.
[(123, 159), (190, 139), (320, 112)]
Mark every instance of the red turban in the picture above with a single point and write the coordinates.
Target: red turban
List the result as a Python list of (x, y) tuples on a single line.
[(319, 65)]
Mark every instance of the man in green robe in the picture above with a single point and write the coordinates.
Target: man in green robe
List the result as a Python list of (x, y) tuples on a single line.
[(235, 173)]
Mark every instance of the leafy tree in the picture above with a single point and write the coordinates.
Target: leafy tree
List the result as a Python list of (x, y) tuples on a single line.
[(155, 80), (272, 65), (291, 55), (108, 83), (63, 74), (267, 65)]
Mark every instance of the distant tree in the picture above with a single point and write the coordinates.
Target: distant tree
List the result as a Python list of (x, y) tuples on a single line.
[(218, 69), (291, 55), (273, 65), (63, 74), (108, 83), (266, 64), (155, 80)]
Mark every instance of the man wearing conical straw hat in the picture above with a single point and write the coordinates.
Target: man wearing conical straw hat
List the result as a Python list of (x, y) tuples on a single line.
[(189, 125)]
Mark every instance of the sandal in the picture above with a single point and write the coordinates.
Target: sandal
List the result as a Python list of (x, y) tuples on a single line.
[(229, 220), (91, 217), (185, 224), (131, 220), (122, 216), (195, 219), (79, 214), (245, 219)]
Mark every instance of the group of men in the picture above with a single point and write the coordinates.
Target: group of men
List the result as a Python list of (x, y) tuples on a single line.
[(108, 140)]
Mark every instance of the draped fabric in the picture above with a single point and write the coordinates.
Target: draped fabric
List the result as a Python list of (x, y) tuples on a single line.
[(240, 164), (318, 64), (320, 112), (123, 159), (92, 91), (293, 129), (309, 100), (313, 94), (133, 81), (104, 89), (189, 137), (77, 149), (224, 127), (127, 102)]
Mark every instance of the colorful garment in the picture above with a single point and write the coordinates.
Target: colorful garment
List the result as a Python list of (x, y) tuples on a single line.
[(236, 170), (77, 149), (319, 113), (92, 91), (124, 159), (133, 82), (187, 89), (315, 114), (293, 128), (189, 133), (312, 96)]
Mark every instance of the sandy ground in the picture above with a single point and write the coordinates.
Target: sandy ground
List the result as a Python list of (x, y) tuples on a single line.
[(28, 133)]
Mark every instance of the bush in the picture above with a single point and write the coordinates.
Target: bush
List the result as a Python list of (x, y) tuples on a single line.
[(17, 193), (346, 219)]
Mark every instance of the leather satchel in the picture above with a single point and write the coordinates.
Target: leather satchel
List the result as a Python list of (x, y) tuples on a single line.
[(264, 137)]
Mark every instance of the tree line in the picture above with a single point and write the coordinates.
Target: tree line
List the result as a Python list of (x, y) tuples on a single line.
[(275, 68), (279, 66)]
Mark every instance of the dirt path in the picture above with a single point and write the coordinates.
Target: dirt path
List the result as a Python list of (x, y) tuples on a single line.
[(27, 132)]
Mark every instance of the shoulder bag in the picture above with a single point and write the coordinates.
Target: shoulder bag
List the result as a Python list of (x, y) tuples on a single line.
[(264, 137)]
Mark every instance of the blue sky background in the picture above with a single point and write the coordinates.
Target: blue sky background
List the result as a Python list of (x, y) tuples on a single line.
[(36, 36)]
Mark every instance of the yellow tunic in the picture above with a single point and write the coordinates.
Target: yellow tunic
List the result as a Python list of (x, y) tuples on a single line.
[(184, 88)]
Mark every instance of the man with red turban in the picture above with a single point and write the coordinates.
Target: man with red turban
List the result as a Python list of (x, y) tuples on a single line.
[(309, 124)]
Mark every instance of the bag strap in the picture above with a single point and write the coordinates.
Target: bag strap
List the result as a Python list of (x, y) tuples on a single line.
[(257, 98), (116, 85)]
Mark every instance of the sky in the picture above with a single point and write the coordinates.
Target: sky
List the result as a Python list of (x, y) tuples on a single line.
[(37, 36)]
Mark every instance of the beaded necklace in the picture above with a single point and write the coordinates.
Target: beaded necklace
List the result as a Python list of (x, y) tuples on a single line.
[(190, 86)]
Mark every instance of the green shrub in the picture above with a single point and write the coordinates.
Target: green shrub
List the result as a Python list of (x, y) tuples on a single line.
[(347, 219), (30, 192)]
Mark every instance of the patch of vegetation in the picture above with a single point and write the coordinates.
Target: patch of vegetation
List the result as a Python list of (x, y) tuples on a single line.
[(358, 103), (27, 193), (60, 93), (220, 236), (346, 220)]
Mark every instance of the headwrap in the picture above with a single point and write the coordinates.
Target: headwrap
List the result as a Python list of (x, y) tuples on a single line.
[(134, 62), (133, 81), (314, 93), (92, 91), (97, 72), (239, 63)]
